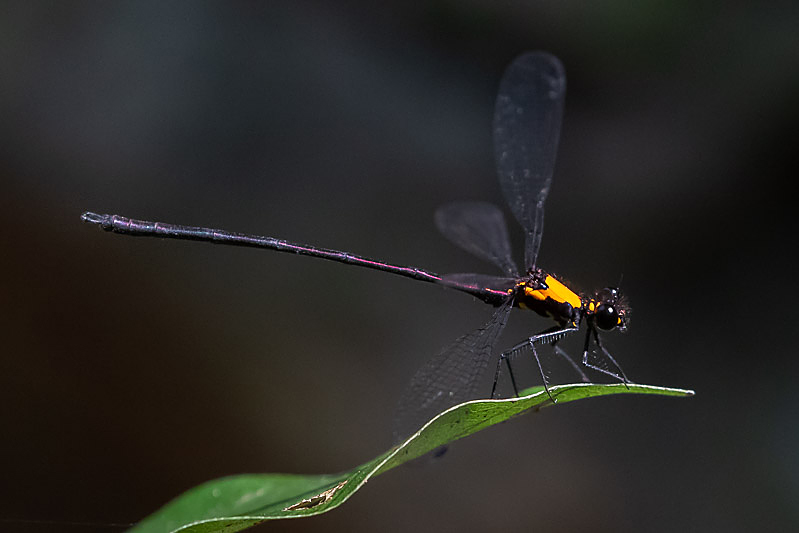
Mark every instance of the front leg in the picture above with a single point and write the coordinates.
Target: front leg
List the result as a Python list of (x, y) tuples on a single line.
[(620, 376), (561, 352)]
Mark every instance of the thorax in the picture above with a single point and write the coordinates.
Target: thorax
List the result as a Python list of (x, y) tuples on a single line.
[(543, 293)]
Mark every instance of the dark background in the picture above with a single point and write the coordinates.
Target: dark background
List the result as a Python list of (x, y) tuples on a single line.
[(135, 369)]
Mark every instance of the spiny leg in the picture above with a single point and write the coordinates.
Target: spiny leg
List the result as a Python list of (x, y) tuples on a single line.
[(512, 378), (506, 357), (541, 369), (561, 352), (496, 377), (623, 377), (555, 334), (551, 335), (620, 376)]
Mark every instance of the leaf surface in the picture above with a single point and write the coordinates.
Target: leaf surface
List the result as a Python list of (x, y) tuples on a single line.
[(238, 502)]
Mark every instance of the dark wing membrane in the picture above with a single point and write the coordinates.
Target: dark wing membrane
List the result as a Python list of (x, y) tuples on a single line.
[(449, 378), (478, 228), (527, 122)]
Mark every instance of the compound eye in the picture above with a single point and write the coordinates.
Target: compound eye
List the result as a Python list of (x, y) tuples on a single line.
[(607, 316)]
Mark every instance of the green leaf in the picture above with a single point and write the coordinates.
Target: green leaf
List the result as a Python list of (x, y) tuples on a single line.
[(238, 502)]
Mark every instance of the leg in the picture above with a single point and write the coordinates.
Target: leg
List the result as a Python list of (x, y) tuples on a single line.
[(551, 335), (512, 378), (620, 376), (496, 377), (541, 369), (623, 377), (505, 356), (561, 352)]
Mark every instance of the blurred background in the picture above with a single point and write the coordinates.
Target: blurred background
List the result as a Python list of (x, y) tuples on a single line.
[(134, 369)]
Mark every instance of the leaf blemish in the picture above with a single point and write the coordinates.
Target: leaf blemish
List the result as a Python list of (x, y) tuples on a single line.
[(319, 499)]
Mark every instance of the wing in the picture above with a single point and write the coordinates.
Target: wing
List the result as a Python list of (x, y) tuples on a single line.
[(450, 377), (467, 281), (527, 120), (479, 228)]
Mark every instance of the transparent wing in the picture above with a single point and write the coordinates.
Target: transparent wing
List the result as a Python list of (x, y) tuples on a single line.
[(527, 122), (478, 281), (449, 378), (479, 228)]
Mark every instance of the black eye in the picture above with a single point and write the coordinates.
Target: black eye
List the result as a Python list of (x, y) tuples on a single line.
[(607, 317)]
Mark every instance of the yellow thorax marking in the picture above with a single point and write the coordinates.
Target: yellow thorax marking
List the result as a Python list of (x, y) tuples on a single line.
[(556, 290)]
